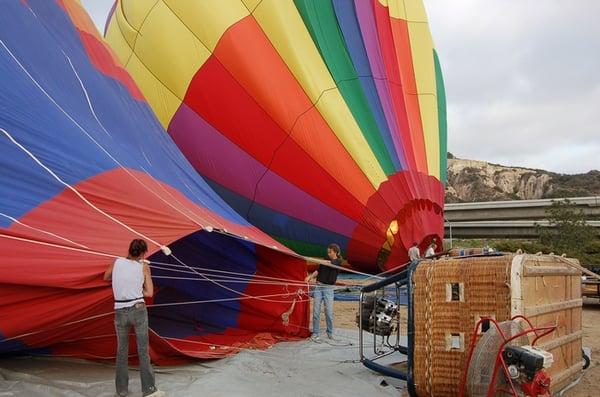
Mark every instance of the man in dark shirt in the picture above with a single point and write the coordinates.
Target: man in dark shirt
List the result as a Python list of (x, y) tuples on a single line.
[(323, 292)]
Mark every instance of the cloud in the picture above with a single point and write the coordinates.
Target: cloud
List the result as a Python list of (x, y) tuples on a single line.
[(522, 80)]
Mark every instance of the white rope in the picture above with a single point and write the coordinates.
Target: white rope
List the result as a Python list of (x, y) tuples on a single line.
[(231, 281), (57, 327), (90, 204), (43, 231), (118, 163), (35, 82), (91, 107), (226, 279), (93, 140), (219, 284), (327, 263), (205, 269), (87, 251), (155, 305), (85, 200), (68, 186)]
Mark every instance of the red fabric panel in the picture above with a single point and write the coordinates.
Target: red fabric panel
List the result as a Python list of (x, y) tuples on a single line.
[(414, 153), (106, 63), (49, 285), (419, 218), (409, 88), (248, 55), (274, 264), (101, 56)]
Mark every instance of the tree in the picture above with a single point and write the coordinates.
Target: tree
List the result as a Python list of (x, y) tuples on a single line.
[(568, 232)]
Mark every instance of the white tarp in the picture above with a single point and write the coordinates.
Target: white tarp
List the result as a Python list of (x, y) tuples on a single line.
[(287, 369)]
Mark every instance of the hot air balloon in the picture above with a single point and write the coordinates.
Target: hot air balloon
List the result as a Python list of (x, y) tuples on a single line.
[(85, 168), (318, 121)]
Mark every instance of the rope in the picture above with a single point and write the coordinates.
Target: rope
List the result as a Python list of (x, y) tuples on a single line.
[(43, 231), (576, 266), (153, 305), (245, 277), (83, 248), (90, 204), (87, 251), (428, 329), (254, 276), (68, 186)]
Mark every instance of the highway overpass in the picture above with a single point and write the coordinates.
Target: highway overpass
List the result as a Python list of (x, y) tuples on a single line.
[(509, 219), (499, 229)]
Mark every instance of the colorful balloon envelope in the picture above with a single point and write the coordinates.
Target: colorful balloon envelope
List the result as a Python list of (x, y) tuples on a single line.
[(85, 168), (318, 121)]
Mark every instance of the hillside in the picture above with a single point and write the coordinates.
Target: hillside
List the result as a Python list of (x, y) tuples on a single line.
[(472, 180)]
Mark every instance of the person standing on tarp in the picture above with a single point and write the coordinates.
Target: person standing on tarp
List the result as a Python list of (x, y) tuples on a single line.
[(323, 292), (414, 254), (131, 282)]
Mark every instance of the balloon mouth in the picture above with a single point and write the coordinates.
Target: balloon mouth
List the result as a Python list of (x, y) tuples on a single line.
[(386, 249)]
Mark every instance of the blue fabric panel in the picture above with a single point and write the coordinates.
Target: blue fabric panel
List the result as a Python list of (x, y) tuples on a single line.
[(275, 223), (200, 250), (17, 347), (127, 128), (346, 17)]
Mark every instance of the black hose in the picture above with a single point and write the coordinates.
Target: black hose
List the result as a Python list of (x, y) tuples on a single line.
[(586, 359)]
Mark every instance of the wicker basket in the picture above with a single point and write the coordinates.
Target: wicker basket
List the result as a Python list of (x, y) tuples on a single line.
[(451, 295)]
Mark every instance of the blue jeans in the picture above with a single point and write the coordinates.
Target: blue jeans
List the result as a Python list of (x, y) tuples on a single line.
[(323, 293), (136, 316)]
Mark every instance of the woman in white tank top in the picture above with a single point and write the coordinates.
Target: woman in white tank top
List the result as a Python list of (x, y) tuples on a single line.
[(131, 282)]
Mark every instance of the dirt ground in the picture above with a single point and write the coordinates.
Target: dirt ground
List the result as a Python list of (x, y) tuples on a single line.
[(589, 386), (590, 383)]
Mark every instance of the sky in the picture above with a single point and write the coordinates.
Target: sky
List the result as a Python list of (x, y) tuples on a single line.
[(522, 79)]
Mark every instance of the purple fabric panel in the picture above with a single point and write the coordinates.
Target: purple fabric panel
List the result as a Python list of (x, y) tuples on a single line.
[(273, 192), (368, 28), (217, 158), (213, 155)]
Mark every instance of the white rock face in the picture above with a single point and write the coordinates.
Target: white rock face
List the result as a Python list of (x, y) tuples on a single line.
[(471, 180)]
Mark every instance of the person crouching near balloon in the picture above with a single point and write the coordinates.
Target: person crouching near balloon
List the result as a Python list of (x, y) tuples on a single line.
[(131, 282), (323, 292)]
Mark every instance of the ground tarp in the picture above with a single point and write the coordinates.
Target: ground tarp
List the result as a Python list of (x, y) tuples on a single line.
[(287, 369)]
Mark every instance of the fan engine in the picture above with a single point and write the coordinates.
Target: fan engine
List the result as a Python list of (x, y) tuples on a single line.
[(379, 316), (503, 361)]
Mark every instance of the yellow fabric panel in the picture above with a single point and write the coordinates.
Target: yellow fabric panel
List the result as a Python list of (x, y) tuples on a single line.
[(410, 10), (128, 32), (284, 27), (251, 4), (135, 11), (421, 46), (181, 53), (335, 111), (117, 42), (395, 8), (415, 10), (216, 16), (161, 100), (429, 118)]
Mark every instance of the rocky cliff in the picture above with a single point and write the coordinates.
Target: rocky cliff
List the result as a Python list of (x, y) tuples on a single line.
[(471, 180)]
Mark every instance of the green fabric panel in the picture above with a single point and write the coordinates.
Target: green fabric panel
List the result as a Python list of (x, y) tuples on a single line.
[(442, 121), (303, 248), (321, 22)]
